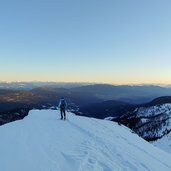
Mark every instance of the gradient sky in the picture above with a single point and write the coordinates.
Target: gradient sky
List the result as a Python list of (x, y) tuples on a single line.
[(112, 41)]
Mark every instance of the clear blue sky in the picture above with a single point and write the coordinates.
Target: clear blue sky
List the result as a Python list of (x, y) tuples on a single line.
[(115, 41)]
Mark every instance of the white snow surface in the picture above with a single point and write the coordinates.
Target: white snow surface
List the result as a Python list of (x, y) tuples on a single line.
[(164, 143), (43, 142)]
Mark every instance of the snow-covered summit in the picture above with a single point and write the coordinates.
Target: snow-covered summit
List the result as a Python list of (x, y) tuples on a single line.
[(42, 142)]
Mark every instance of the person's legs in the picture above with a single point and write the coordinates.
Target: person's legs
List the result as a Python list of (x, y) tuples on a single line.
[(64, 114), (61, 114)]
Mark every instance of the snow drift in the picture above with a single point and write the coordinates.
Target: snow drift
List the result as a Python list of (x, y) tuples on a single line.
[(42, 142)]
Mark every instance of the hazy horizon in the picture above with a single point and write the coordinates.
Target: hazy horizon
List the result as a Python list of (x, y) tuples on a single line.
[(115, 42), (88, 83)]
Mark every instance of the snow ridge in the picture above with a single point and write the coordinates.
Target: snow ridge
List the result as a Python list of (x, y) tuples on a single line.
[(42, 142)]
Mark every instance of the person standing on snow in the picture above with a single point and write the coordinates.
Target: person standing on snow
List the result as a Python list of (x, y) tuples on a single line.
[(62, 107)]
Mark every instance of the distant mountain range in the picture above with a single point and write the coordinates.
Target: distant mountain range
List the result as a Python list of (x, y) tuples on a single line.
[(31, 85), (127, 93), (14, 95)]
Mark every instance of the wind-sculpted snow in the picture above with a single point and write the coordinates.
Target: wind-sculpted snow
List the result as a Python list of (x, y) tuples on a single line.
[(42, 142)]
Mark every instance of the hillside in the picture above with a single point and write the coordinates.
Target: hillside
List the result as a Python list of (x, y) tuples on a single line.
[(113, 108), (105, 109), (42, 142), (135, 94)]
